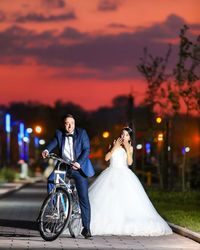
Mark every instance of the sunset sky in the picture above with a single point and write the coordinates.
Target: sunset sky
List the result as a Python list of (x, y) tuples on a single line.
[(84, 51)]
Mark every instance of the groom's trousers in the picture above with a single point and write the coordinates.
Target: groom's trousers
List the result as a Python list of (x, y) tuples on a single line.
[(81, 182)]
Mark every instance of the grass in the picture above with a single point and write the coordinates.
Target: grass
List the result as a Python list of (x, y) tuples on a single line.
[(180, 208)]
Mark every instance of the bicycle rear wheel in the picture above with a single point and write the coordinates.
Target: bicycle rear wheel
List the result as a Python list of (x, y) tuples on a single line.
[(75, 222), (55, 214)]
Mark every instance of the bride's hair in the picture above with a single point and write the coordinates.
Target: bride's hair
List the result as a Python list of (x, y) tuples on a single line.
[(131, 132), (128, 129)]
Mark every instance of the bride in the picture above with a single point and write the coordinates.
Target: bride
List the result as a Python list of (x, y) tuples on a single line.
[(119, 204)]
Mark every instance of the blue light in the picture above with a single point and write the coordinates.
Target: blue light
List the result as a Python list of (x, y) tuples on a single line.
[(36, 141), (26, 134), (21, 129), (19, 139), (183, 150), (8, 123), (148, 148)]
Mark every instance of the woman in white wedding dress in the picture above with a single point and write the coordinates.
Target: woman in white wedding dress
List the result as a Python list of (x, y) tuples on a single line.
[(119, 204)]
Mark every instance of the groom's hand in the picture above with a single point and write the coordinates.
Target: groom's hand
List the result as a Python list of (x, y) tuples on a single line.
[(76, 166), (45, 153)]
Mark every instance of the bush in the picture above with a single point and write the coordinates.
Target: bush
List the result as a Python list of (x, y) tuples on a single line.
[(7, 174)]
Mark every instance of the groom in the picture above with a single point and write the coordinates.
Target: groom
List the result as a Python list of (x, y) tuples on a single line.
[(73, 143)]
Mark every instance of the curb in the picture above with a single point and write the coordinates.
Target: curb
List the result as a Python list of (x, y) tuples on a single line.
[(185, 232)]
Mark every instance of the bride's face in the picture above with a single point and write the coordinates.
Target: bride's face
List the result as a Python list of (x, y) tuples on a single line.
[(125, 135)]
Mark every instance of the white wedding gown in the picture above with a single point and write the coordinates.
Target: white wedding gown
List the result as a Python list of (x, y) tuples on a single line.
[(119, 204)]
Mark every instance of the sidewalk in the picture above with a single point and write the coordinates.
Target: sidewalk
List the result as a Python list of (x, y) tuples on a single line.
[(7, 188)]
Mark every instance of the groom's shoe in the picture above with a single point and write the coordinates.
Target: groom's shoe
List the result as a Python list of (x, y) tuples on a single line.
[(86, 233)]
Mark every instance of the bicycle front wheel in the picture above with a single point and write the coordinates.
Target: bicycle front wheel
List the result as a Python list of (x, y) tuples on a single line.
[(55, 214)]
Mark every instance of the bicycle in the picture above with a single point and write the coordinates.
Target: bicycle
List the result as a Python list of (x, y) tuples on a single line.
[(60, 208)]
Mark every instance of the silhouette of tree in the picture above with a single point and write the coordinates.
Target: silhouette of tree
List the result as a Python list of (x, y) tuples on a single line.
[(167, 90)]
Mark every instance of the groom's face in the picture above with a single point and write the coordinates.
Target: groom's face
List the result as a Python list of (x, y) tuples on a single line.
[(69, 124)]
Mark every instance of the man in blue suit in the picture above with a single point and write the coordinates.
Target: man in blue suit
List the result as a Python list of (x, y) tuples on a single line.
[(73, 143)]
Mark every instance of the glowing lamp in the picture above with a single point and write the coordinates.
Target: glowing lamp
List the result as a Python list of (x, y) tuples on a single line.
[(139, 146), (42, 142), (106, 134), (158, 119), (187, 149), (160, 137), (29, 130), (38, 129), (148, 148), (8, 123)]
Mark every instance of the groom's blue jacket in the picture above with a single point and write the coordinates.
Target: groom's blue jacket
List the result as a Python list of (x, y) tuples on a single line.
[(81, 146)]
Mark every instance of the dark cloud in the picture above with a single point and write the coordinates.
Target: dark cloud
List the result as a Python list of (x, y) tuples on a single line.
[(18, 44), (53, 3), (2, 16), (168, 29), (74, 34), (111, 74), (108, 5), (34, 17), (12, 38), (104, 56)]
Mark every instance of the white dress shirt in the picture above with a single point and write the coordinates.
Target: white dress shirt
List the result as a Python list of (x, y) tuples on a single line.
[(68, 151)]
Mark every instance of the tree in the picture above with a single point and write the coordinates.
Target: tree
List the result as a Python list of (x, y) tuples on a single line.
[(166, 91), (186, 74)]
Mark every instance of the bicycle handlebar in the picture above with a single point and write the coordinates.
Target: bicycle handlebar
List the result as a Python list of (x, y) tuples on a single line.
[(57, 158)]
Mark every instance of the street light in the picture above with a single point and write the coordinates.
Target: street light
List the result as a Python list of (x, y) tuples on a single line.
[(36, 143), (42, 142), (160, 137), (29, 130), (26, 140), (8, 130), (106, 134), (20, 140), (158, 119), (38, 129), (185, 150), (8, 123), (148, 148), (139, 146)]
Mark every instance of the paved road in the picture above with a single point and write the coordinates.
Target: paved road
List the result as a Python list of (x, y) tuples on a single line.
[(18, 229)]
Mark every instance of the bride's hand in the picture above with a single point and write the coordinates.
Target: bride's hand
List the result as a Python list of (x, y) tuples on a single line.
[(126, 145), (117, 143)]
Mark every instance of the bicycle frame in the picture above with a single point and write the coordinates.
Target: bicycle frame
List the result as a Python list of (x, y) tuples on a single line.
[(58, 180)]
